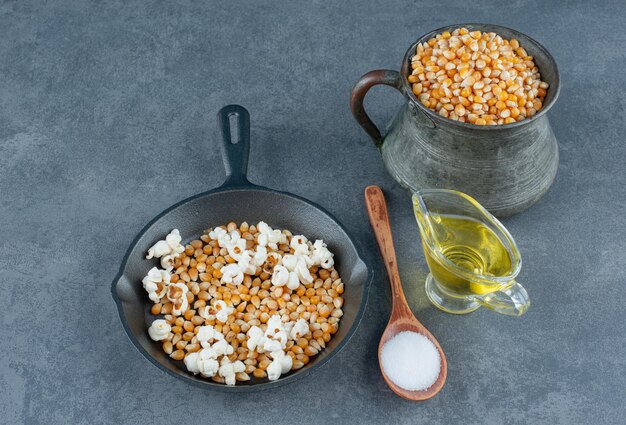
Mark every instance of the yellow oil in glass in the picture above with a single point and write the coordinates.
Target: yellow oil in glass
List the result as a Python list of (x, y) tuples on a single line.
[(473, 247)]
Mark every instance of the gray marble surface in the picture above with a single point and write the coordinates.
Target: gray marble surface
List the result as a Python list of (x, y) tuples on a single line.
[(107, 116)]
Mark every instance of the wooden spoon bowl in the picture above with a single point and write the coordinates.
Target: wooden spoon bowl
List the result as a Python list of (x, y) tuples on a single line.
[(402, 319)]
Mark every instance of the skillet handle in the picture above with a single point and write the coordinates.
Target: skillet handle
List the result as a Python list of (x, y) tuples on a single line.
[(234, 124)]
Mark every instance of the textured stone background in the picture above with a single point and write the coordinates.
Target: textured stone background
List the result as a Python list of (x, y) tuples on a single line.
[(107, 116)]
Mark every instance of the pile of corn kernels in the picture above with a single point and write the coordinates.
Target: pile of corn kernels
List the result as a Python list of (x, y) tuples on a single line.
[(243, 301), (477, 77)]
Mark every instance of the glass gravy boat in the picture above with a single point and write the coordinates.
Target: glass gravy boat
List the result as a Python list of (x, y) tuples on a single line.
[(473, 260)]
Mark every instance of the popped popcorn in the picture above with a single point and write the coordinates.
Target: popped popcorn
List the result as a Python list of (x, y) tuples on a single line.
[(280, 364), (191, 362), (232, 273), (229, 239), (290, 262), (222, 347), (244, 301), (168, 250), (159, 330), (223, 311), (280, 276), (177, 294), (246, 263), (255, 339), (299, 245), (322, 256), (156, 283), (259, 256), (297, 264), (270, 237), (206, 362), (228, 370), (236, 249), (299, 329), (302, 271), (217, 233), (276, 330), (205, 335)]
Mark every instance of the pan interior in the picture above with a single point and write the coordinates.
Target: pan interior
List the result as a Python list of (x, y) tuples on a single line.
[(192, 217)]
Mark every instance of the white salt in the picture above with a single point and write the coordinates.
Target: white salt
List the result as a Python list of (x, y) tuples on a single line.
[(411, 361)]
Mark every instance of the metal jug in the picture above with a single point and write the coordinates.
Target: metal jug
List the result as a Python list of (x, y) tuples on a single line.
[(507, 168)]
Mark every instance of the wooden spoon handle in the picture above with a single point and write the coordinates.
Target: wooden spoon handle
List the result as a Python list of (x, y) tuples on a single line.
[(379, 218)]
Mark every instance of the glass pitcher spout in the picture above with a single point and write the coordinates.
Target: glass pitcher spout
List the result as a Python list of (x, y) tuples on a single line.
[(473, 259), (512, 301)]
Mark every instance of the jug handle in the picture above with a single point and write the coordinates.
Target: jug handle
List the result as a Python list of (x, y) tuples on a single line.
[(386, 77), (512, 300)]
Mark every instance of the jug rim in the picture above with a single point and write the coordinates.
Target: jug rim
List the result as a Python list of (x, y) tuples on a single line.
[(404, 72), (515, 255)]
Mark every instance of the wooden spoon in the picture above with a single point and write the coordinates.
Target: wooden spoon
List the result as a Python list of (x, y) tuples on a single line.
[(402, 319)]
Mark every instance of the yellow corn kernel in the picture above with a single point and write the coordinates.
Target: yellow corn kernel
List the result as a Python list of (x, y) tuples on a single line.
[(449, 55), (512, 88), (419, 69), (464, 72)]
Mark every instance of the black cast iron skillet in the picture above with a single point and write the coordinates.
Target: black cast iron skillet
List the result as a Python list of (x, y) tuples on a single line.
[(238, 200)]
